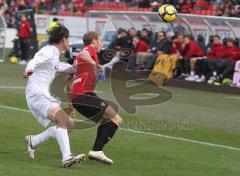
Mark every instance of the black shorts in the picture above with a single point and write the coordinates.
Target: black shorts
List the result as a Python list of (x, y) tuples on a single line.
[(90, 105)]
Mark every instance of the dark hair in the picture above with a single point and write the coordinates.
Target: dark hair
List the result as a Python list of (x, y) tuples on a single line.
[(145, 29), (57, 33), (180, 34), (89, 37), (216, 36), (132, 28), (120, 30), (231, 40), (55, 19), (163, 32)]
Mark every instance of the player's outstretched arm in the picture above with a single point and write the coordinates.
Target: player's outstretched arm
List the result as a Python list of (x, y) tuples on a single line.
[(66, 68)]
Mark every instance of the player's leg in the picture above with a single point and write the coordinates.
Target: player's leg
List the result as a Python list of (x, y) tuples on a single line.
[(187, 66), (96, 109), (32, 141), (47, 134), (105, 132), (62, 121), (108, 127), (212, 65), (192, 76), (225, 72), (201, 69)]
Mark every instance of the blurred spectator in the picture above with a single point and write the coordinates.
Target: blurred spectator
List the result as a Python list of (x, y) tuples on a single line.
[(160, 45), (173, 2), (174, 45), (186, 7), (217, 48), (145, 36), (201, 65), (22, 5), (139, 46), (179, 44), (201, 43), (24, 34), (89, 3), (225, 67), (3, 7), (190, 49), (10, 19), (220, 7), (169, 35), (210, 44), (132, 32), (155, 6), (144, 4), (122, 40)]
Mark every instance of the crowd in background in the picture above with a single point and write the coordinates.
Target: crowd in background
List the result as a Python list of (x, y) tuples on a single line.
[(213, 63), (8, 8), (197, 61)]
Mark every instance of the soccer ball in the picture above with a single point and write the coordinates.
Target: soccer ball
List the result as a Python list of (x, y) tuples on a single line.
[(13, 59), (167, 13)]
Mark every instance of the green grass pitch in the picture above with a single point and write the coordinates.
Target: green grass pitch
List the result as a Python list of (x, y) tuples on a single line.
[(210, 118)]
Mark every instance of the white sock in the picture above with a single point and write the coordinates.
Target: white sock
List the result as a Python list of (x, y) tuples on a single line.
[(214, 73), (63, 142), (192, 73), (49, 133)]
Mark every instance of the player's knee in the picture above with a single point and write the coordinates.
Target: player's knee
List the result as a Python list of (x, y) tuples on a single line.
[(120, 120), (53, 112), (70, 127), (61, 119), (117, 120)]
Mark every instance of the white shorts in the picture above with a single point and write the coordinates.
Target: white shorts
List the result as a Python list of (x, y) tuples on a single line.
[(40, 105)]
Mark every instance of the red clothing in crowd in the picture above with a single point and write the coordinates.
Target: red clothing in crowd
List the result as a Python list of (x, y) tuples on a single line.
[(193, 50), (235, 56), (217, 52), (232, 53), (25, 30), (48, 1), (186, 7), (86, 74), (173, 49), (178, 48), (141, 47)]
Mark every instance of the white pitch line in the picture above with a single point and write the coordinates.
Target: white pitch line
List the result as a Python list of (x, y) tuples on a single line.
[(148, 133), (232, 97), (183, 139), (14, 109), (12, 87)]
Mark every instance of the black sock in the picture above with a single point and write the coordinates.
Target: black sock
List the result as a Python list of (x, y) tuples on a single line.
[(104, 134)]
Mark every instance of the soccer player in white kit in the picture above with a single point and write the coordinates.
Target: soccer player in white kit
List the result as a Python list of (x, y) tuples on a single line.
[(41, 71)]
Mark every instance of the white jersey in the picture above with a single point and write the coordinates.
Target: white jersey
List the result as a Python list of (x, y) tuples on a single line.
[(44, 65)]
